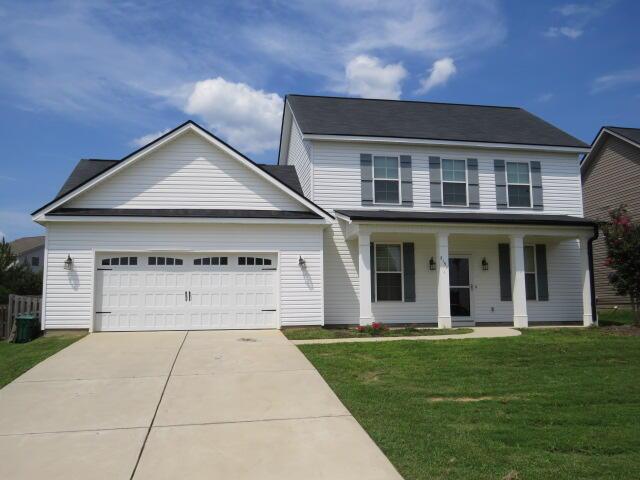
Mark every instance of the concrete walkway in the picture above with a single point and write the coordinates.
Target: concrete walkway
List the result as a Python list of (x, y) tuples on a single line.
[(167, 405), (482, 332)]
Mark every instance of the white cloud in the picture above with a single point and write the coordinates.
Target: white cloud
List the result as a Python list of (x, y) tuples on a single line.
[(615, 79), (568, 32), (7, 178), (367, 77), (248, 118), (576, 17), (148, 138), (544, 97), (439, 74)]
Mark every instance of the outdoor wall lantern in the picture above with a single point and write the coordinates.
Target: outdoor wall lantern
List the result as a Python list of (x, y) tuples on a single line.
[(301, 261), (485, 264), (68, 263), (432, 264)]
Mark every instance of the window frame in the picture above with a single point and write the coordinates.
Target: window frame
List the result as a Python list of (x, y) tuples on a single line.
[(466, 182), (506, 176), (398, 179), (401, 272), (534, 272)]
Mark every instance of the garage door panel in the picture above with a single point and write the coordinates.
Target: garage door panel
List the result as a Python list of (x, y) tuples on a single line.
[(222, 293)]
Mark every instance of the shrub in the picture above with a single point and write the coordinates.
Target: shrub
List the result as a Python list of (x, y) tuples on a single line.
[(376, 328)]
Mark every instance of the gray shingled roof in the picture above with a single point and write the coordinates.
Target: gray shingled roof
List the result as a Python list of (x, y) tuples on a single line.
[(425, 120), (25, 244), (632, 134), (87, 169)]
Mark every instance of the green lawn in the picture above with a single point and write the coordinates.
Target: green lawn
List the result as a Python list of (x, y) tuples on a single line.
[(550, 404), (311, 333), (17, 358)]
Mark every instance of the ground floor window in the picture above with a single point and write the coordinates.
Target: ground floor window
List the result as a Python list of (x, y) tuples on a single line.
[(388, 265), (530, 272)]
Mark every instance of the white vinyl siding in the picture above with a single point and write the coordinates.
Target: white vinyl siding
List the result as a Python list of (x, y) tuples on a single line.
[(337, 183), (69, 294), (299, 155), (188, 172), (342, 285)]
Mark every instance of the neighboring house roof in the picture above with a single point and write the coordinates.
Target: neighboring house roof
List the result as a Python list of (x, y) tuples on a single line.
[(632, 134), (183, 213), (89, 170), (26, 244), (463, 217), (629, 135), (425, 120)]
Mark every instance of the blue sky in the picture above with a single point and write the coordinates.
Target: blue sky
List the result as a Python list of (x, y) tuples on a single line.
[(97, 79)]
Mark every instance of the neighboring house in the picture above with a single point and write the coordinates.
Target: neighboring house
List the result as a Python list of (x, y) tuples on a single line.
[(30, 251), (392, 211), (611, 177)]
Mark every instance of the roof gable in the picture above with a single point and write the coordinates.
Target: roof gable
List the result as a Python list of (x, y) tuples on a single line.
[(188, 172), (629, 135), (425, 120), (97, 175)]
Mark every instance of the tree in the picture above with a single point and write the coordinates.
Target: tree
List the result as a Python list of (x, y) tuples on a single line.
[(622, 238), (16, 277)]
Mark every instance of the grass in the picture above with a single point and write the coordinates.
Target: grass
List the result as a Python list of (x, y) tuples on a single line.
[(553, 403), (312, 333), (615, 317), (17, 358)]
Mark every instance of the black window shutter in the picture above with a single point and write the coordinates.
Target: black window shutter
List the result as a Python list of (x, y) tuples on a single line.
[(501, 184), (372, 252), (536, 185), (409, 272), (474, 183), (504, 260), (541, 272), (406, 178), (366, 179), (435, 181)]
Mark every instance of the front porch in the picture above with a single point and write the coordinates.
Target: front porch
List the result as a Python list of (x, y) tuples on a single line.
[(465, 274)]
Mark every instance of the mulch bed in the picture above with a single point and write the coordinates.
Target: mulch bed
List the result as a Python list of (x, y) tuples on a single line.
[(621, 330)]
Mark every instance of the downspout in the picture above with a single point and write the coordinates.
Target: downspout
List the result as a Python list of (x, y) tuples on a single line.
[(594, 311)]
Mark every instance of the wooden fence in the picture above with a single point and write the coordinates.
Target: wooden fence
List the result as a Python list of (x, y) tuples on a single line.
[(17, 304)]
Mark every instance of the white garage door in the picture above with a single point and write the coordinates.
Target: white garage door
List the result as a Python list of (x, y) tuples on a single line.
[(173, 291)]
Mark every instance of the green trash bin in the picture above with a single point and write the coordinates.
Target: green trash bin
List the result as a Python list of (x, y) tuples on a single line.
[(27, 327)]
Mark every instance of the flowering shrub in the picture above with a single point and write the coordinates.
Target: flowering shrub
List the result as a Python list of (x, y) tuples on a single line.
[(622, 238), (376, 328)]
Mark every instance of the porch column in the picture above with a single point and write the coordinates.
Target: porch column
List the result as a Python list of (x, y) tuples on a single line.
[(519, 291), (587, 314), (444, 301), (364, 274)]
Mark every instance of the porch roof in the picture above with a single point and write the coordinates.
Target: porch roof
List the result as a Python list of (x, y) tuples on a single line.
[(465, 217)]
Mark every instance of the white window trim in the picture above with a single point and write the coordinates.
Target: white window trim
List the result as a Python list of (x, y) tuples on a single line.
[(375, 261), (535, 271), (373, 177), (506, 175), (466, 182)]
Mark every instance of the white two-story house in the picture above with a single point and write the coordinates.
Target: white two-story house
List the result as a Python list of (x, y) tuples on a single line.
[(390, 211)]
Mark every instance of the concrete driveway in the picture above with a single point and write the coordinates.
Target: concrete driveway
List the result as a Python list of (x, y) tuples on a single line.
[(224, 404)]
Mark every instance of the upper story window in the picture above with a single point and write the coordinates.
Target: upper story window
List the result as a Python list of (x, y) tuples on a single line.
[(386, 180), (35, 261), (454, 182), (518, 184)]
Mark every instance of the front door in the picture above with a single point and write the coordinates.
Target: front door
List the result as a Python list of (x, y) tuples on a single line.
[(460, 290)]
